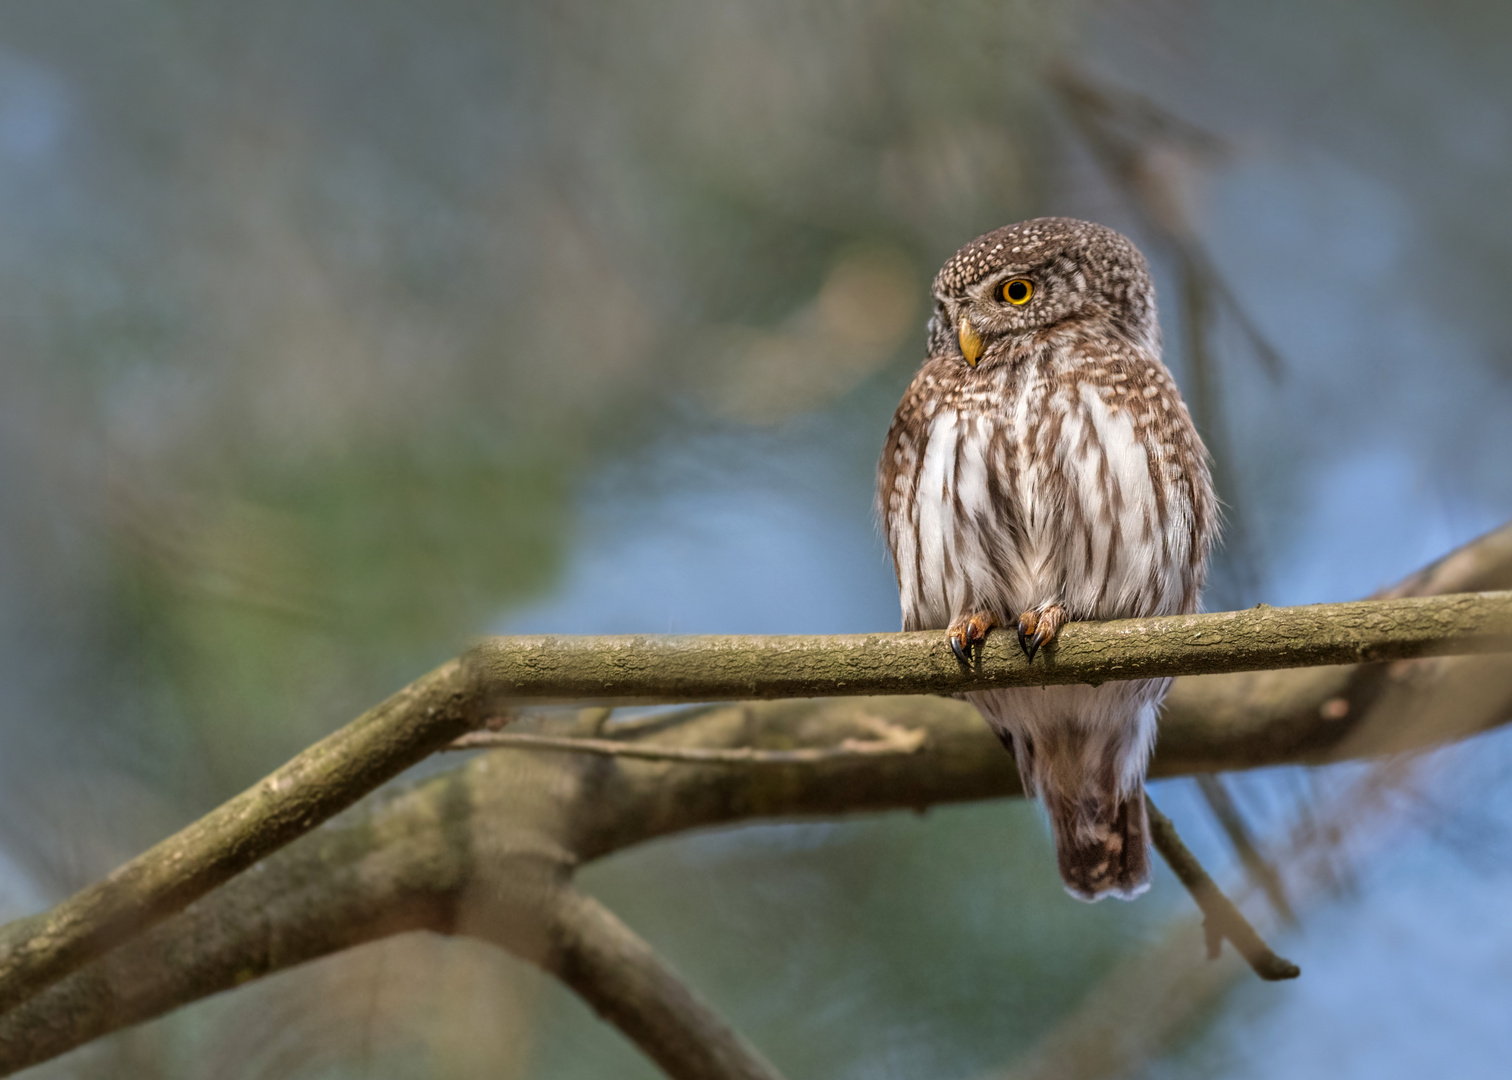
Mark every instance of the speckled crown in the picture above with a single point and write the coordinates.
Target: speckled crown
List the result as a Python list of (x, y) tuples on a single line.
[(1032, 242)]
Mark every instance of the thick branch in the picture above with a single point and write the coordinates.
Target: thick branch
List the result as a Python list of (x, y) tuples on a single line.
[(335, 889), (1222, 918), (325, 779), (403, 868)]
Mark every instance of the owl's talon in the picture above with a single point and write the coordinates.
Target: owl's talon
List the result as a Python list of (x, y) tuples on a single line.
[(1037, 628), (970, 632)]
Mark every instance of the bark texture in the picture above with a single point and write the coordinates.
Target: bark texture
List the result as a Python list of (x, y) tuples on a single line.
[(661, 670)]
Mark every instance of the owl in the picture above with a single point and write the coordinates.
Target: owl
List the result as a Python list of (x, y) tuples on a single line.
[(1041, 468)]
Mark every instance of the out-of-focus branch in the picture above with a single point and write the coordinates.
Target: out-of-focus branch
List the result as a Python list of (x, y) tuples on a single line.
[(1220, 801), (890, 739), (333, 890), (1220, 918), (618, 974), (1148, 1003), (1147, 155), (406, 867)]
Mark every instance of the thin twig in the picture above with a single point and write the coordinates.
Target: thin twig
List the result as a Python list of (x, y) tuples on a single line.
[(894, 741), (1220, 917), (1221, 802)]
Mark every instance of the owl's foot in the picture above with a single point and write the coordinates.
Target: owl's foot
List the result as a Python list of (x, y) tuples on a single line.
[(1036, 628), (969, 632)]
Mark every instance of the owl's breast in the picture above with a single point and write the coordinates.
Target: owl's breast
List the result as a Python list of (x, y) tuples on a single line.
[(1052, 488)]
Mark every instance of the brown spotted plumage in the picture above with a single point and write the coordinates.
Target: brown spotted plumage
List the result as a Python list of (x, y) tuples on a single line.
[(1042, 467)]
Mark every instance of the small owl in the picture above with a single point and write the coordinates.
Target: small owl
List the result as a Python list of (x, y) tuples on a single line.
[(1041, 468)]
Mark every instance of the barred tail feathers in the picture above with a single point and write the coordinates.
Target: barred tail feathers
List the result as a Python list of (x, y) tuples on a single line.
[(1089, 773), (1102, 845)]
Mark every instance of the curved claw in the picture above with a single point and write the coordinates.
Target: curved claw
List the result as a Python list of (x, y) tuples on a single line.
[(969, 633), (1037, 628), (1027, 625)]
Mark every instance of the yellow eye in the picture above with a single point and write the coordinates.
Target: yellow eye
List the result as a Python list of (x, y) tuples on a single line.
[(1018, 291)]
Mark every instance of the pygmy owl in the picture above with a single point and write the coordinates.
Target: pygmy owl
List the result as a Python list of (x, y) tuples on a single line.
[(1040, 468)]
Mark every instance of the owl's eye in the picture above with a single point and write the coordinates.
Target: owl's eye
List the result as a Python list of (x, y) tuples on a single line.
[(1018, 291)]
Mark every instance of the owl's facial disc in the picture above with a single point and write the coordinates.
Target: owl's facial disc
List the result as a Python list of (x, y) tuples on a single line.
[(971, 341)]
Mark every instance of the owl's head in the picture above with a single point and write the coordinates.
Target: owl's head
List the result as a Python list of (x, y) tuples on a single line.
[(1012, 282)]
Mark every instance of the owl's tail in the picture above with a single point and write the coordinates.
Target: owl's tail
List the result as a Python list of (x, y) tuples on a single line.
[(1083, 751), (1101, 843), (1097, 811)]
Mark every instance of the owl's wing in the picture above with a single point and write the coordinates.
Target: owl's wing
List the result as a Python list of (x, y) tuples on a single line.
[(1132, 486), (897, 485), (945, 501)]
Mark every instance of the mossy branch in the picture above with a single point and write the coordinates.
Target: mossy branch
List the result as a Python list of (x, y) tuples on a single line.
[(662, 670)]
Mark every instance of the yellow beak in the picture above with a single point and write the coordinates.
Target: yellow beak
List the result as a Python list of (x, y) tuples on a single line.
[(971, 341)]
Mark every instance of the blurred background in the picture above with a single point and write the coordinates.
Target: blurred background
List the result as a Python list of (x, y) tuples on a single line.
[(334, 333)]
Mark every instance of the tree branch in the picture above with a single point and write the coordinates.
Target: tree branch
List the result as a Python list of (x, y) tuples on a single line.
[(333, 890), (618, 974), (650, 669), (1220, 803), (323, 780), (36, 952), (890, 740), (448, 854), (404, 868), (1147, 1003), (1220, 918)]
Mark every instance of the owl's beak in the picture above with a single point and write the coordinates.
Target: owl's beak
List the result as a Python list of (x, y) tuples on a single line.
[(971, 341)]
